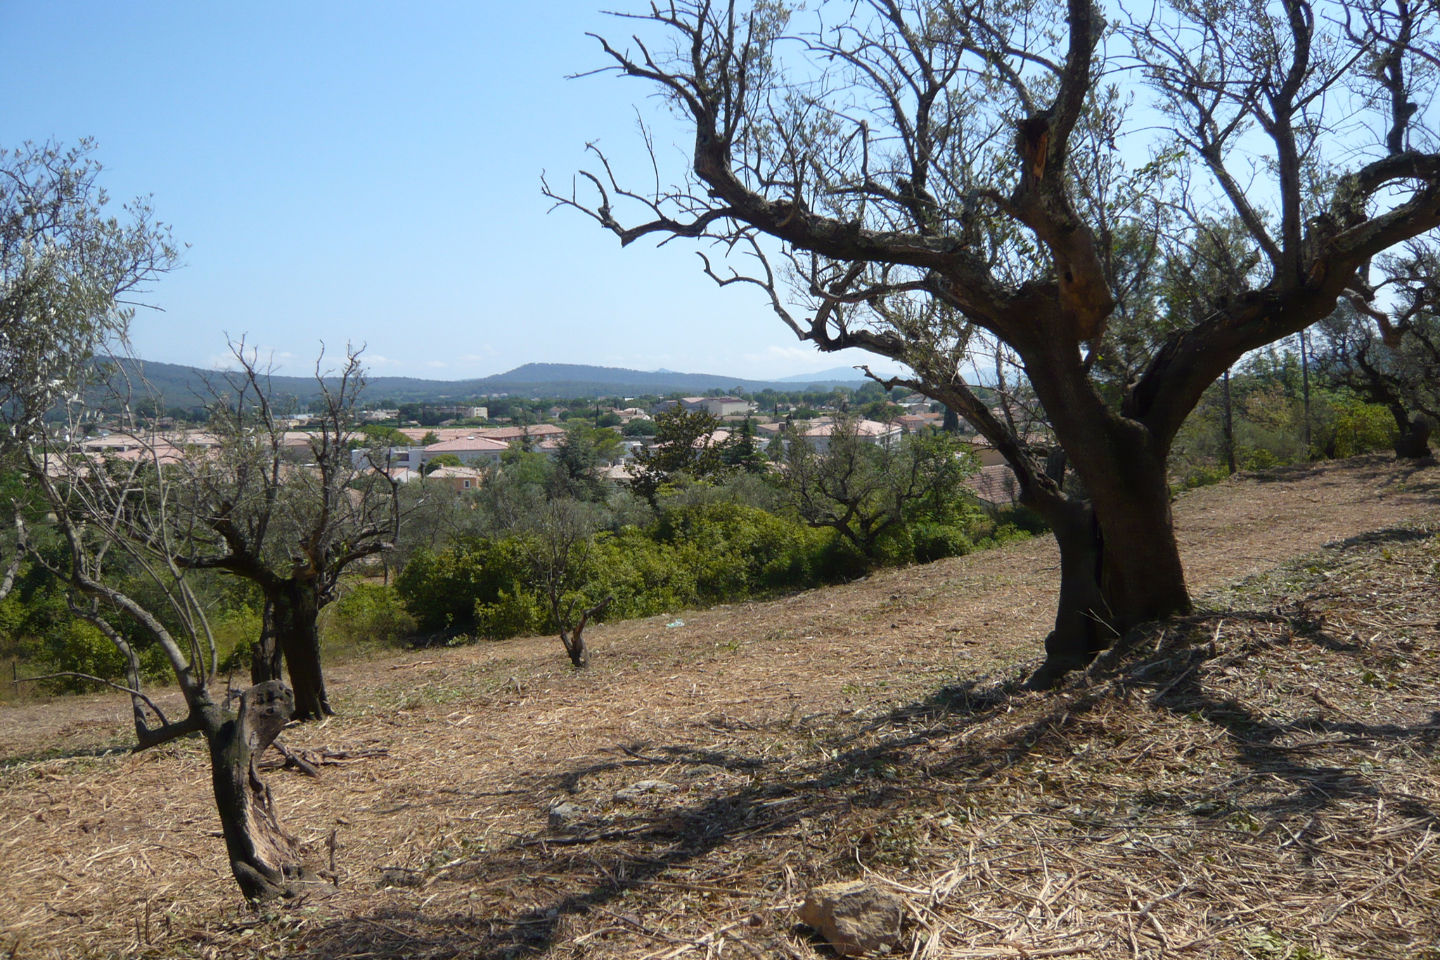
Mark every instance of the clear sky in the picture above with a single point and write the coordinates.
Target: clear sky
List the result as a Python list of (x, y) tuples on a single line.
[(370, 172)]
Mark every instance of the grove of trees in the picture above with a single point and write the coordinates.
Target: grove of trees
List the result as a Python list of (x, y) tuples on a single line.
[(1065, 222)]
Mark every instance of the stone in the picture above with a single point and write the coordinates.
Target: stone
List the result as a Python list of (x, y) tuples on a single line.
[(565, 815), (644, 788), (854, 917)]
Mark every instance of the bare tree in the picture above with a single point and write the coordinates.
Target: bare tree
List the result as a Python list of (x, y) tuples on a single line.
[(934, 175), (291, 520), (99, 504)]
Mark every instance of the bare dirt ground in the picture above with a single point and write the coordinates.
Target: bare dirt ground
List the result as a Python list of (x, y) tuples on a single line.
[(1258, 780)]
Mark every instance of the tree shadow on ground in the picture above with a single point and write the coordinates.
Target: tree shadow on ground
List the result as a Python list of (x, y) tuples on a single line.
[(1386, 469), (543, 887)]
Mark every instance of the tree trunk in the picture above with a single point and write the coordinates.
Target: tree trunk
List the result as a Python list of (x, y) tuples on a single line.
[(575, 646), (574, 638), (1227, 428), (1413, 441), (1119, 561), (266, 660), (296, 607), (264, 858)]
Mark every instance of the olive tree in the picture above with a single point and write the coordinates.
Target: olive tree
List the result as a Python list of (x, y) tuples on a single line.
[(290, 519), (66, 271), (556, 538), (924, 178), (866, 491), (98, 503)]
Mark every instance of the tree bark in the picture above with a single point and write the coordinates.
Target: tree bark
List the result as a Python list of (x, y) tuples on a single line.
[(1119, 560), (575, 648), (296, 605), (265, 860), (266, 661), (1413, 440), (574, 639)]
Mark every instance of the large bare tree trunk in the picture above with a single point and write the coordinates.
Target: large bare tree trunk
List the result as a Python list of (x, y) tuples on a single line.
[(1413, 440), (265, 860), (296, 608), (1119, 563)]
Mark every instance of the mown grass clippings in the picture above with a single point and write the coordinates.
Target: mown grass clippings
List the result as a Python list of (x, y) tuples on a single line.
[(1231, 785)]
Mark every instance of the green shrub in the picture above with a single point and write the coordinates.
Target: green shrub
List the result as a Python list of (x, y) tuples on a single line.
[(644, 576), (738, 551), (235, 632), (441, 589), (935, 541), (367, 615), (75, 646), (510, 614), (1357, 427), (1204, 476)]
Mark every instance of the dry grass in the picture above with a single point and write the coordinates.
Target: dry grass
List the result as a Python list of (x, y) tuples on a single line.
[(1255, 781)]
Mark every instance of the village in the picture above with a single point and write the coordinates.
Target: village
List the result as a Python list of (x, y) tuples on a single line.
[(461, 449)]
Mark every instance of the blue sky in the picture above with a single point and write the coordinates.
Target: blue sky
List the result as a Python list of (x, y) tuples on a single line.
[(370, 172)]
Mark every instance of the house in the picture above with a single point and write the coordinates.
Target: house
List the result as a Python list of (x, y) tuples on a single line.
[(915, 422), (714, 438), (458, 479), (691, 404), (871, 431), (535, 433), (721, 407), (995, 485), (718, 407), (471, 450), (984, 452)]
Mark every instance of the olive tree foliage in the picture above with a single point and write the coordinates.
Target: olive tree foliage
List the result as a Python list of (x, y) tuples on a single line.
[(66, 271), (557, 537), (931, 179), (1385, 345)]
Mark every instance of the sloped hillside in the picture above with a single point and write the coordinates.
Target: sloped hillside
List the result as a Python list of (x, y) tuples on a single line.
[(1258, 780)]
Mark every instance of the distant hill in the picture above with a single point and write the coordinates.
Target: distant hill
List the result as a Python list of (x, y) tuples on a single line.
[(184, 386)]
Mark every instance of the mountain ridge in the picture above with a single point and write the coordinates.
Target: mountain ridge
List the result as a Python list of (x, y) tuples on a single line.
[(181, 384)]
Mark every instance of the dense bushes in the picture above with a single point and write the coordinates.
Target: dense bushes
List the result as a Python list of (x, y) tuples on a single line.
[(37, 627), (705, 547), (699, 554), (443, 589), (366, 615), (737, 551)]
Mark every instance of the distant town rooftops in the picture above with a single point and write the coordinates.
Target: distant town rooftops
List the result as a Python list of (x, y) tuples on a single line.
[(468, 443), (863, 428), (504, 434)]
